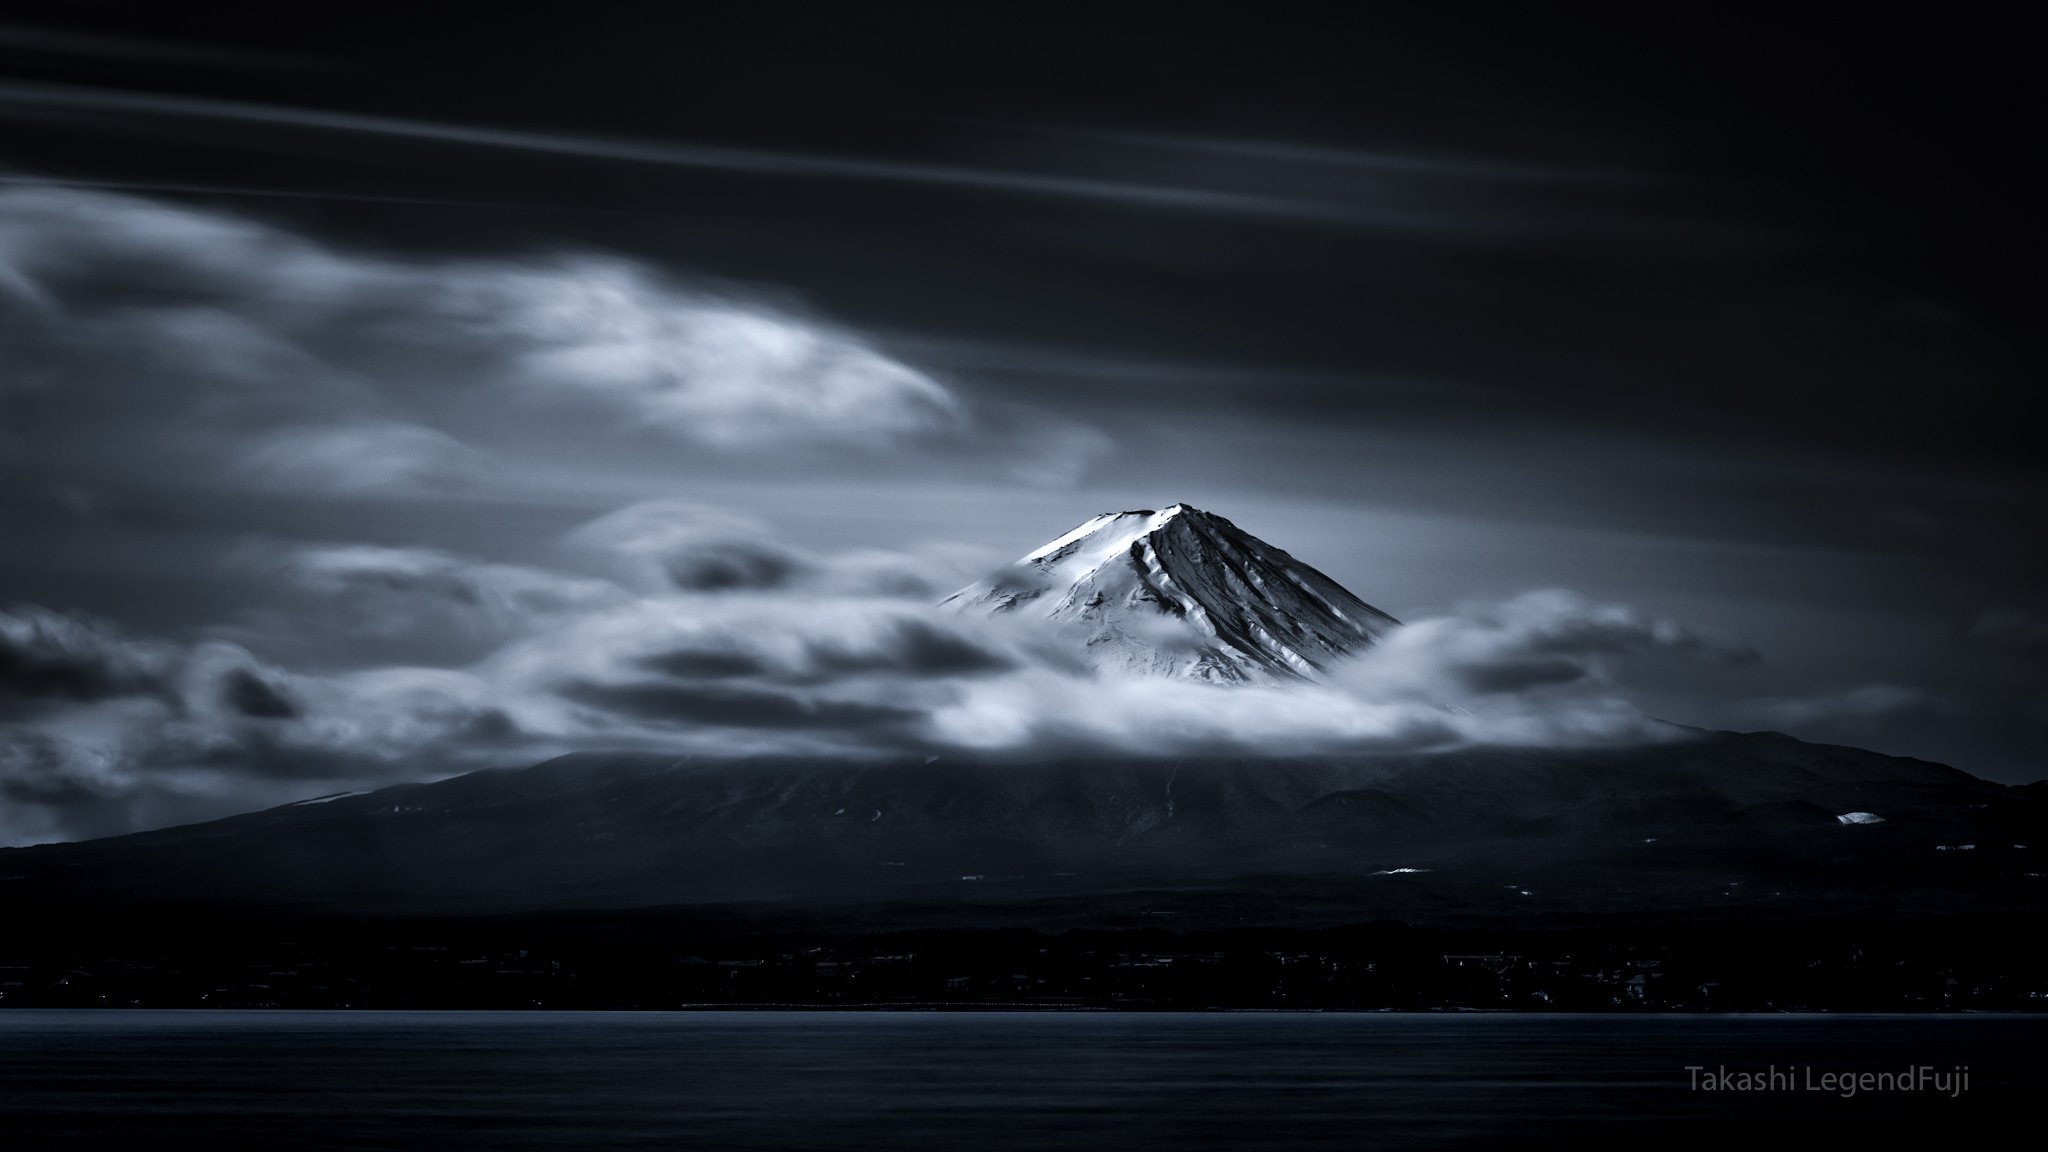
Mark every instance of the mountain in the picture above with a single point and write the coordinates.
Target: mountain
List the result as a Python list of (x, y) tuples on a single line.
[(1755, 825), (1182, 592), (1722, 824)]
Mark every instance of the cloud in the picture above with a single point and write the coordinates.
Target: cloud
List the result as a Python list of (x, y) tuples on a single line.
[(791, 640), (1539, 669), (706, 369), (1388, 196), (51, 656), (670, 544), (360, 459), (251, 694), (673, 545), (101, 732), (713, 636), (1868, 702), (1538, 640), (389, 592), (686, 705), (914, 647), (1300, 184), (863, 672), (187, 342)]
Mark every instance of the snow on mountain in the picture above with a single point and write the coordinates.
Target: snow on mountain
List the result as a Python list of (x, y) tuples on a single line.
[(1185, 593)]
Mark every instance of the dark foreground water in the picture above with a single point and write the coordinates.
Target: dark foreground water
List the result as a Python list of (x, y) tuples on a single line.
[(984, 1082)]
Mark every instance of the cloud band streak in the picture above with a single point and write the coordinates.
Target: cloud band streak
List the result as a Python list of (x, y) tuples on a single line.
[(701, 157)]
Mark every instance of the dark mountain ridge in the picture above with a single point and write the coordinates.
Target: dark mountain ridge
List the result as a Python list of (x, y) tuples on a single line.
[(1720, 824)]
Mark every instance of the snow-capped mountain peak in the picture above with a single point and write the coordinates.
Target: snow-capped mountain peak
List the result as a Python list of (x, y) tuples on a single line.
[(1182, 592)]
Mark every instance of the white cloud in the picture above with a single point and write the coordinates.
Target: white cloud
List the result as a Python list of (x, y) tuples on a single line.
[(1535, 670), (670, 545), (1540, 640), (698, 367), (720, 639), (167, 339), (386, 591), (359, 459)]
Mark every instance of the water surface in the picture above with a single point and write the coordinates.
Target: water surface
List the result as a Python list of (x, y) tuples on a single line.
[(986, 1081)]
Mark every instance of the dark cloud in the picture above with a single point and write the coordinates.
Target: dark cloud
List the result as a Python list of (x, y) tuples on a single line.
[(915, 648), (488, 726), (731, 565), (1820, 711), (250, 695), (1520, 675), (50, 655), (35, 776), (730, 707), (911, 647), (689, 665)]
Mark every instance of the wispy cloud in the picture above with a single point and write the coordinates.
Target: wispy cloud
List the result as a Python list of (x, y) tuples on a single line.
[(1274, 181), (1384, 161), (360, 459), (214, 346), (1862, 704), (29, 98), (262, 192)]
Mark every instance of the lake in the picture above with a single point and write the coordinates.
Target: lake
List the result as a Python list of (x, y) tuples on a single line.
[(986, 1081)]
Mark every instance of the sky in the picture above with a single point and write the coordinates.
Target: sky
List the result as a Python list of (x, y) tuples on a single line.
[(386, 393)]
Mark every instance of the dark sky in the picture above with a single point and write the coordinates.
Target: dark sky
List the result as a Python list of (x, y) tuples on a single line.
[(459, 320)]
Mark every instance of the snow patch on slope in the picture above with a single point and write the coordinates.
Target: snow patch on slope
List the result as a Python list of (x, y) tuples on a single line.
[(1183, 593)]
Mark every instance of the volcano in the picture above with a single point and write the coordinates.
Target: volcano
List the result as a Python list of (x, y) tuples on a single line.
[(1700, 825), (1185, 593)]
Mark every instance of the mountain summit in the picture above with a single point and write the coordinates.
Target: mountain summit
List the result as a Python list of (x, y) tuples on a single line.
[(1185, 593)]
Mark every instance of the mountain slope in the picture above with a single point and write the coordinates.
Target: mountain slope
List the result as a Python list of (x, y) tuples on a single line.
[(1182, 592), (1710, 825)]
